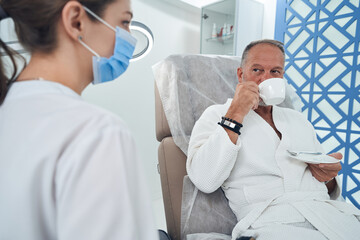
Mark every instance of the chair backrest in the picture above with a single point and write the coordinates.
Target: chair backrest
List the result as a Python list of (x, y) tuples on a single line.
[(172, 170), (172, 167), (181, 70)]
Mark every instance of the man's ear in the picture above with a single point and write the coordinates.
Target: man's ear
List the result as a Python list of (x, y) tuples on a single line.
[(73, 18), (240, 74)]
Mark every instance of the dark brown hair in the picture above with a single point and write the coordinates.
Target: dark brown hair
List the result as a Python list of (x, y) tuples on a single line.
[(36, 26)]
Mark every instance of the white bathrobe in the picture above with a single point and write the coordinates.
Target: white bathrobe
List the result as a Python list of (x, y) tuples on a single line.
[(269, 192)]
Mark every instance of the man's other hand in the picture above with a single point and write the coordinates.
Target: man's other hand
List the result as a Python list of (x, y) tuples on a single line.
[(326, 171)]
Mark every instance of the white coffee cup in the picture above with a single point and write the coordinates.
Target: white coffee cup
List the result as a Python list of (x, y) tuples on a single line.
[(272, 91)]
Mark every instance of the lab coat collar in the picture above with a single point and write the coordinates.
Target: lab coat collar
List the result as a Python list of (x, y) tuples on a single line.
[(35, 87)]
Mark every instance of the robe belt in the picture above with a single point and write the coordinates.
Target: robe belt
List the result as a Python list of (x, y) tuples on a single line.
[(254, 212)]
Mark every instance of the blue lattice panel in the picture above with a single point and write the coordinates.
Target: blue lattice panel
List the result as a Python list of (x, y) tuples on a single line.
[(322, 42)]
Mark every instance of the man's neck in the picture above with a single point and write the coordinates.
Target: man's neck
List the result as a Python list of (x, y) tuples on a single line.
[(56, 67), (264, 111)]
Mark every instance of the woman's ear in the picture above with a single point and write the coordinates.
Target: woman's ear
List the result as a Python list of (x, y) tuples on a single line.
[(240, 74), (73, 18)]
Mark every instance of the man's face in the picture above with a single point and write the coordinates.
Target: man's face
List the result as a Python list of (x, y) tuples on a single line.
[(264, 61)]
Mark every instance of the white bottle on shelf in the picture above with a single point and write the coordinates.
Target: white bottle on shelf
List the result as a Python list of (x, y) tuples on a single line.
[(225, 32), (214, 32)]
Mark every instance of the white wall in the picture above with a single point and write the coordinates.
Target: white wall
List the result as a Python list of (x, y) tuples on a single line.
[(176, 31), (269, 18), (249, 21)]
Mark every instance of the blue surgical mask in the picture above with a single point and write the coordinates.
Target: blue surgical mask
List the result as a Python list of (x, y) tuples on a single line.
[(108, 69)]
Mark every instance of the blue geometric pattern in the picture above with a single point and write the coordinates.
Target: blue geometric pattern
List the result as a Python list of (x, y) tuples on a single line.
[(322, 42)]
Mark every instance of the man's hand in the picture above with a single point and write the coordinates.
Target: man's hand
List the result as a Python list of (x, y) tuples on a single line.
[(246, 98), (326, 171)]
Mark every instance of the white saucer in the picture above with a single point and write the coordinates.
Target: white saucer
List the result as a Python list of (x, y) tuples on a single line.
[(315, 159)]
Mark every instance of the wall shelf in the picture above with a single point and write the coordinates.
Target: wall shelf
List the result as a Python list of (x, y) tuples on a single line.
[(243, 16), (222, 39)]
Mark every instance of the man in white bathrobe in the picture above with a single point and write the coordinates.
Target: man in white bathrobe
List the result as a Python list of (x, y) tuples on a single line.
[(273, 195)]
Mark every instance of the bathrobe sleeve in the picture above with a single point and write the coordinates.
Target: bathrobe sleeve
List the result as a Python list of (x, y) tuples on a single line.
[(211, 154)]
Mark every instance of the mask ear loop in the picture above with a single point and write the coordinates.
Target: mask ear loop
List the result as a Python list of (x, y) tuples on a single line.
[(87, 47), (98, 18)]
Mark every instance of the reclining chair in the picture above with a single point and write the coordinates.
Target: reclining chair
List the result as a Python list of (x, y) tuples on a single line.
[(185, 85)]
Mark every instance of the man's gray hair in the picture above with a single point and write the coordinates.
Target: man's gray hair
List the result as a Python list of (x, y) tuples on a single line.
[(275, 43)]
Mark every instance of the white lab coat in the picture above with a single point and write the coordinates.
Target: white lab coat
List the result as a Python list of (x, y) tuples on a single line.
[(268, 191), (68, 169)]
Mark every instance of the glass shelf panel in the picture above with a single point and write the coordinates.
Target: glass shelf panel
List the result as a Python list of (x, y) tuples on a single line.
[(222, 39)]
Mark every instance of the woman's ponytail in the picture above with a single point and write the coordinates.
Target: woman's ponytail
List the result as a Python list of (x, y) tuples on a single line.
[(5, 51), (5, 81)]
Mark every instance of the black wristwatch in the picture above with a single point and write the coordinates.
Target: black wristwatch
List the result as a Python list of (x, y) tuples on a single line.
[(230, 124)]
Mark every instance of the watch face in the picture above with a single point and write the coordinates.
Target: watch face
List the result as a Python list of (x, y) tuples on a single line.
[(228, 123)]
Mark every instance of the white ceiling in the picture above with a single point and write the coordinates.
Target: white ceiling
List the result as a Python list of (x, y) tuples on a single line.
[(200, 3)]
